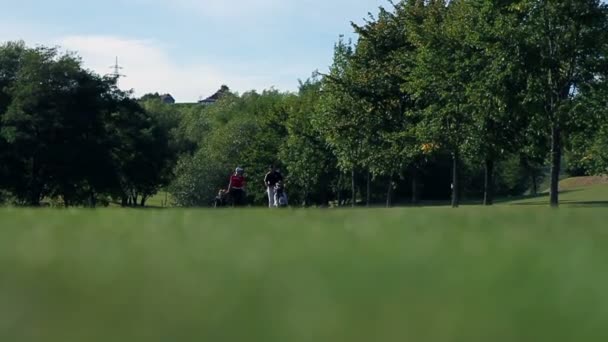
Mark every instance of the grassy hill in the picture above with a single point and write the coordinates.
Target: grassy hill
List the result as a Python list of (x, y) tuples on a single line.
[(574, 192)]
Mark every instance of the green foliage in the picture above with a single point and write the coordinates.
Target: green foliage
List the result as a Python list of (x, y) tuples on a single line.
[(340, 117), (70, 134), (565, 52), (245, 131), (11, 56), (309, 163), (587, 151)]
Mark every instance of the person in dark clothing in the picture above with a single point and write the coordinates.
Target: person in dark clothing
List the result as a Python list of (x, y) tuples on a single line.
[(270, 181)]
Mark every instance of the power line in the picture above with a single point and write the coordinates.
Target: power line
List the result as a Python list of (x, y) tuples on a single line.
[(116, 71)]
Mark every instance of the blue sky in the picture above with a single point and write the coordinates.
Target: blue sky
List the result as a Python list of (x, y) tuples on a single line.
[(190, 47)]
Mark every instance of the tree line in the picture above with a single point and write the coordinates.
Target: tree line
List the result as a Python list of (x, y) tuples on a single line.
[(469, 99), (478, 80), (70, 135)]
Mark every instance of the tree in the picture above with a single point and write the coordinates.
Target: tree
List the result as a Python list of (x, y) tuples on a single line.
[(140, 151), (309, 162), (489, 38), (68, 133), (150, 97), (439, 84), (587, 142), (53, 117), (11, 57), (167, 119), (565, 49), (342, 115), (268, 114), (382, 62)]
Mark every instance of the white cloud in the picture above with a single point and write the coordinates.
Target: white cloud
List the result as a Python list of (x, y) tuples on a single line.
[(149, 68)]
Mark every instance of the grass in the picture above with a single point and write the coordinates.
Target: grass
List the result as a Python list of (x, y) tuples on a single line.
[(162, 199), (575, 192), (509, 273)]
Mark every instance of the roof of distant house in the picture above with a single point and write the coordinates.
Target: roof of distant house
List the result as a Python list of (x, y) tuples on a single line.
[(167, 97), (215, 97)]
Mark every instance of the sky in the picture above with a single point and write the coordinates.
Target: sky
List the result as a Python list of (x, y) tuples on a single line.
[(189, 48)]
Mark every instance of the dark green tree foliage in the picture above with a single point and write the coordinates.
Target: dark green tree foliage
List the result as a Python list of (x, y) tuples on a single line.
[(308, 161), (382, 62), (443, 70), (268, 113), (480, 80), (565, 49), (246, 131), (70, 134), (140, 153), (167, 119), (151, 97), (494, 92), (341, 118), (587, 143), (45, 124), (11, 57)]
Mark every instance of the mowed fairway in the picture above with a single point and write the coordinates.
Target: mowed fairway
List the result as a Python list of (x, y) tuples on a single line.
[(509, 273)]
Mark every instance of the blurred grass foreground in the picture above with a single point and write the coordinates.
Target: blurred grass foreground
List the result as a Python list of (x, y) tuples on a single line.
[(432, 274)]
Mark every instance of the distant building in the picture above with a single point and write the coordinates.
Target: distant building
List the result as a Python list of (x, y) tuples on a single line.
[(167, 99), (215, 97)]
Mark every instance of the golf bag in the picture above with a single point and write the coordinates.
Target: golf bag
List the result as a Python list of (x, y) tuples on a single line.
[(221, 200), (280, 196)]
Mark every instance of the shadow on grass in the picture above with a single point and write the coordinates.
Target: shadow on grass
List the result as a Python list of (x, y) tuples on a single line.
[(507, 200), (573, 203), (541, 199), (586, 203), (504, 200)]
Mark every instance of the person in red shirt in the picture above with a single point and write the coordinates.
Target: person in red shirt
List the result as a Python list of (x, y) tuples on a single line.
[(236, 187)]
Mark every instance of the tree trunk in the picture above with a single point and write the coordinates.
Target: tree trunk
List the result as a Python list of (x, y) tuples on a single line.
[(534, 183), (92, 199), (34, 200), (368, 192), (338, 191), (455, 180), (488, 196), (414, 185), (143, 200), (124, 201), (556, 159), (389, 193), (353, 189), (35, 189), (324, 198)]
